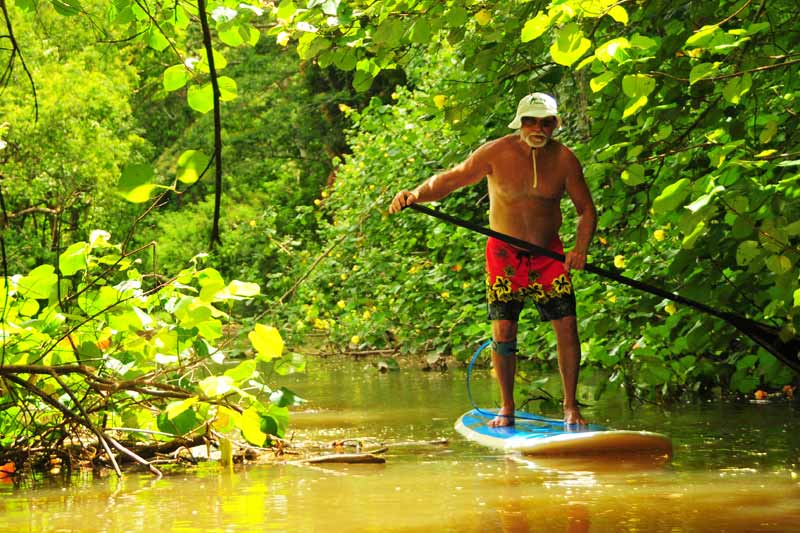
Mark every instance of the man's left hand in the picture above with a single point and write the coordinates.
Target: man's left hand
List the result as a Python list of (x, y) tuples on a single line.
[(574, 260)]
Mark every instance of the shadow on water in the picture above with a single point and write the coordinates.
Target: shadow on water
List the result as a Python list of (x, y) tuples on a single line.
[(734, 469)]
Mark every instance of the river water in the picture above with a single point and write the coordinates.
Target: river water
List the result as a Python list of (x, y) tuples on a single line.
[(736, 467)]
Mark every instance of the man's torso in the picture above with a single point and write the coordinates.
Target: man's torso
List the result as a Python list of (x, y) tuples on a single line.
[(516, 207)]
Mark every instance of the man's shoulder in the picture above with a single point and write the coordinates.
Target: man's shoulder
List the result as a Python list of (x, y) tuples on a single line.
[(500, 144)]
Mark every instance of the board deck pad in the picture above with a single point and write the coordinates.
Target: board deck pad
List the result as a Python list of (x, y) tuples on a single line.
[(537, 435)]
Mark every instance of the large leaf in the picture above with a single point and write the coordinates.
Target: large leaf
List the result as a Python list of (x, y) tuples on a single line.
[(672, 196), (535, 27), (73, 258), (267, 342), (570, 45), (136, 183), (191, 165), (201, 98)]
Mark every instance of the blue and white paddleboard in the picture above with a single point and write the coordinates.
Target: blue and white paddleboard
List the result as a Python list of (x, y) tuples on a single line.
[(537, 435)]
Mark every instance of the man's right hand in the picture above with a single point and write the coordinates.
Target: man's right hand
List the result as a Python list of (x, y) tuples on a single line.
[(401, 200)]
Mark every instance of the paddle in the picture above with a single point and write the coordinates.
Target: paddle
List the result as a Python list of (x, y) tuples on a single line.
[(764, 335)]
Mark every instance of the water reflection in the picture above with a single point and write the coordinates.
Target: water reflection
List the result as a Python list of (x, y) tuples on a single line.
[(734, 469)]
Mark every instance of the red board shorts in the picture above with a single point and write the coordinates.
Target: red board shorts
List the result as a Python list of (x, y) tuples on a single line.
[(514, 275)]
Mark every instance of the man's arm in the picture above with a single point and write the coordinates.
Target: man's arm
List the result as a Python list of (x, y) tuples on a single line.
[(581, 198), (471, 171)]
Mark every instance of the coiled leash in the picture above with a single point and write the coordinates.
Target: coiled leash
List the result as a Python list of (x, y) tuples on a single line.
[(526, 416)]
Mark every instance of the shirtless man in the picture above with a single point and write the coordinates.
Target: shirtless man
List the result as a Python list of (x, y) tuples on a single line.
[(528, 173)]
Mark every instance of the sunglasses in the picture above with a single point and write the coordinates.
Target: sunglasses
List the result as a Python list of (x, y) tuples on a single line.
[(544, 122)]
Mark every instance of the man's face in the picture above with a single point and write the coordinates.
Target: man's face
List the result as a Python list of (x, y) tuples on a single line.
[(537, 131)]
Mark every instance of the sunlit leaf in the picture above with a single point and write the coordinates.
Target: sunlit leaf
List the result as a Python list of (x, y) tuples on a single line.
[(535, 27), (250, 425), (690, 240), (243, 371), (703, 36), (227, 88), (175, 77), (191, 165), (672, 196), (267, 342), (613, 50), (136, 183), (619, 14), (201, 97), (633, 175), (38, 283), (597, 83), (67, 8), (703, 71), (570, 45), (176, 408), (73, 258)]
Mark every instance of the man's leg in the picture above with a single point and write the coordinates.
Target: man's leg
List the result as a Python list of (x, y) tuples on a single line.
[(569, 359), (505, 367)]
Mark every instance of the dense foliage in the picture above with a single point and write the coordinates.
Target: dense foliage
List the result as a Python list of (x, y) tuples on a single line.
[(683, 115)]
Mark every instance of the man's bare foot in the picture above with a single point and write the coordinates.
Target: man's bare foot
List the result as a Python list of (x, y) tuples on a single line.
[(504, 418), (572, 415)]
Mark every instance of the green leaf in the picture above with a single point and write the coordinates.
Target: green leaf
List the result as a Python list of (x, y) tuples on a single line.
[(703, 71), (746, 252), (267, 342), (793, 229), (181, 424), (618, 13), (779, 264), (535, 27), (637, 85), (232, 36), (570, 45), (156, 40), (633, 175), (613, 50), (737, 87), (702, 37), (286, 10), (227, 88), (175, 77), (39, 283), (690, 240), (634, 105), (796, 298), (191, 165), (67, 8), (345, 58), (420, 32), (457, 16), (73, 259), (250, 425), (311, 44), (598, 83), (174, 409), (768, 132), (201, 98), (242, 372), (389, 32), (672, 196), (136, 183)]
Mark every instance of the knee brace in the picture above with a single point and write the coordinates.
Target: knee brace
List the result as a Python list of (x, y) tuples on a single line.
[(505, 348)]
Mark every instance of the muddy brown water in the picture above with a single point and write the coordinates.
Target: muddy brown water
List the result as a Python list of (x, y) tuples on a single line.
[(736, 468)]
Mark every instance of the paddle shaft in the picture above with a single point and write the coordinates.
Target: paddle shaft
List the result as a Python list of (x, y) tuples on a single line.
[(525, 245)]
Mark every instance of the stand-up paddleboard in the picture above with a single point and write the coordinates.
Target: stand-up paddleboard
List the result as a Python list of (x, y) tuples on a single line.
[(538, 435)]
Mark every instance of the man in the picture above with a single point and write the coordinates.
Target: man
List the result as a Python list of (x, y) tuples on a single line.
[(528, 172)]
